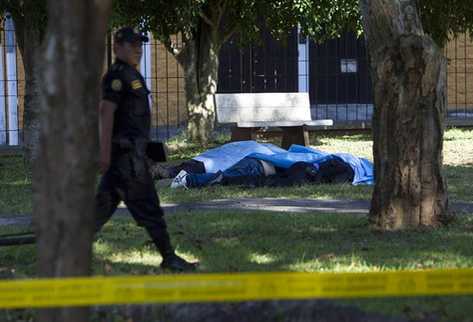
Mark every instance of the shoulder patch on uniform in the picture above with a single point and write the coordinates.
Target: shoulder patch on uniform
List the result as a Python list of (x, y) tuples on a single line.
[(116, 85), (136, 84)]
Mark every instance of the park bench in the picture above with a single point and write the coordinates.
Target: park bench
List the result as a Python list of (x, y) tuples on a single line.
[(253, 112)]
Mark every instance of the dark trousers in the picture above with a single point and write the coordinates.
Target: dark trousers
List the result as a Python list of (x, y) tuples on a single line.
[(128, 180)]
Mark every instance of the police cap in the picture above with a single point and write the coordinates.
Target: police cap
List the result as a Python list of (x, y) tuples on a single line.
[(128, 34)]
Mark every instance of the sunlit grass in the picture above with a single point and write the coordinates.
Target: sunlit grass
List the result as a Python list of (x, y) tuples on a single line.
[(259, 241)]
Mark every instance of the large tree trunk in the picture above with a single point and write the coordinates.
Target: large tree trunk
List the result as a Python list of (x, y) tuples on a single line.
[(409, 76), (64, 176), (200, 63)]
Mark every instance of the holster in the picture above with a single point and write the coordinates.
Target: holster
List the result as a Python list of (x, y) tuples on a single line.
[(156, 151), (131, 157)]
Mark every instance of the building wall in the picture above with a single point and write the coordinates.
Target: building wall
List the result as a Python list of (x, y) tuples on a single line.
[(459, 52), (167, 87)]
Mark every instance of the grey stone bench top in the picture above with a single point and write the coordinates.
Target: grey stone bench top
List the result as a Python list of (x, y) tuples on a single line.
[(245, 108), (314, 123)]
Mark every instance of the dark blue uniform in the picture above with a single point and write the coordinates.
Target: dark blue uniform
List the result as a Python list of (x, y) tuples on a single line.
[(128, 177)]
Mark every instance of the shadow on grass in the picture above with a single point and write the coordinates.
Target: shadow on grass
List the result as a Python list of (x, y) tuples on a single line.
[(459, 182), (317, 138), (257, 241), (232, 241)]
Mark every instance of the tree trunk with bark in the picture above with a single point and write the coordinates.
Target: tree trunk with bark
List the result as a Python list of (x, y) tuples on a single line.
[(409, 78), (65, 173), (199, 61)]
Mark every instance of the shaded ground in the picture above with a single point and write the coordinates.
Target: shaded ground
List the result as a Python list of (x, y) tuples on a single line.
[(278, 311)]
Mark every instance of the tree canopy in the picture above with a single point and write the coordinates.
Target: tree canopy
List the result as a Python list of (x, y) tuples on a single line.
[(444, 20), (322, 19), (32, 12), (319, 19)]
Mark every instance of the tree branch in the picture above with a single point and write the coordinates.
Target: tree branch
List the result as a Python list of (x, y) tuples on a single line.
[(166, 41), (221, 11), (230, 33), (206, 19)]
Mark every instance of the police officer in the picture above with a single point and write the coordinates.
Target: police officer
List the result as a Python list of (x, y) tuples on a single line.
[(125, 120)]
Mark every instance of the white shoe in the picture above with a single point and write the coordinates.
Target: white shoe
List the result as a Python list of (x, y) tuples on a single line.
[(180, 180)]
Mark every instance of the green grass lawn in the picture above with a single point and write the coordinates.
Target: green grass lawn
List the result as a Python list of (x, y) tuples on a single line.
[(261, 241), (258, 241), (15, 185)]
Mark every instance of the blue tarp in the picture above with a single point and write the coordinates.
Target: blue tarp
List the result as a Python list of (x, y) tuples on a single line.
[(221, 158)]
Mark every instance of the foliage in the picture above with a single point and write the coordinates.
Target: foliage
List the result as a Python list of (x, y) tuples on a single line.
[(446, 19), (323, 19), (32, 12), (319, 19), (326, 19)]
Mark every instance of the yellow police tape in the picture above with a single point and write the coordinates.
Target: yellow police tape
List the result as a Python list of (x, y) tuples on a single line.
[(230, 287)]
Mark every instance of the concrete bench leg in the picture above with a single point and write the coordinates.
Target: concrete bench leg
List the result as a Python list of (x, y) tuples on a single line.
[(243, 134), (294, 135)]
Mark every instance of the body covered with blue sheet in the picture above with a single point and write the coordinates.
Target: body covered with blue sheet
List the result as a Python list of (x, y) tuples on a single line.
[(222, 158)]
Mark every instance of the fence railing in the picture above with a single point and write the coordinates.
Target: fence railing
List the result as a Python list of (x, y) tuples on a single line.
[(334, 73), (10, 81)]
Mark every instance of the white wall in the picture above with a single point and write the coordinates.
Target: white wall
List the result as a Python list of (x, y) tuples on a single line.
[(145, 64), (303, 64), (145, 68), (12, 83), (3, 103)]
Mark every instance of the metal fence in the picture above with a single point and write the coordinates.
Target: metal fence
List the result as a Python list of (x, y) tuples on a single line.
[(460, 78), (165, 79), (334, 73), (339, 80), (10, 82)]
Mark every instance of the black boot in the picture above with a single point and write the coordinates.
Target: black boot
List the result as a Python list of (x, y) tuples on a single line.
[(177, 264), (171, 261)]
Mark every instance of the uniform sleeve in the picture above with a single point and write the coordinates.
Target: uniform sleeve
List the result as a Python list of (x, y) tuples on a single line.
[(113, 87)]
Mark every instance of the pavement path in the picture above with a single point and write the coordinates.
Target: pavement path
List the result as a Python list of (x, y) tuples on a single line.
[(354, 207), (260, 204)]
